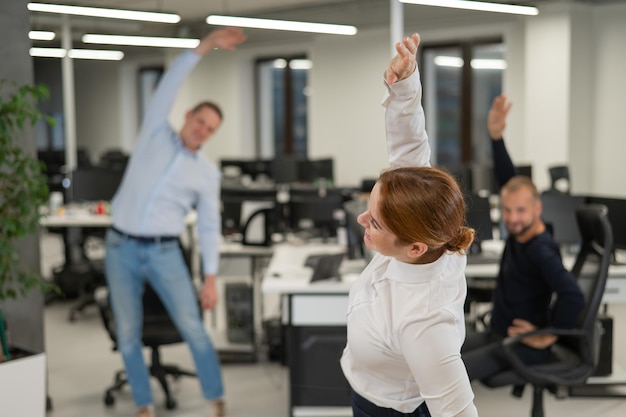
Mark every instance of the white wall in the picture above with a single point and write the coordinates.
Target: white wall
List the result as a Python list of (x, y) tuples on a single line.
[(346, 116), (546, 104), (608, 111)]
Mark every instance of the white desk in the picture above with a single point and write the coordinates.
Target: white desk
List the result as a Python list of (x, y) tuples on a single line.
[(83, 217)]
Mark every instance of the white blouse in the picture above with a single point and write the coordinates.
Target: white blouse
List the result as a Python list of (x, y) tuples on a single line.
[(405, 331), (406, 321)]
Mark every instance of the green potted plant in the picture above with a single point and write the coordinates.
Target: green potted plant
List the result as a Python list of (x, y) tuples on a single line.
[(23, 189)]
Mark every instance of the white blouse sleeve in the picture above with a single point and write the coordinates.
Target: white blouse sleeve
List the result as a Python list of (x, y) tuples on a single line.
[(407, 141), (437, 367)]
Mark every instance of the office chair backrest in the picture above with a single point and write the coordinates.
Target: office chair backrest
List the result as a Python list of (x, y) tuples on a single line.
[(592, 263), (591, 273), (560, 179)]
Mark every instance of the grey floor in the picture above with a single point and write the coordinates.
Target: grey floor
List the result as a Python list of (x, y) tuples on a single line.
[(81, 365)]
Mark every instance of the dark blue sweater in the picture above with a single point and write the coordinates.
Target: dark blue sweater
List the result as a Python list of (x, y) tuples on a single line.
[(530, 273)]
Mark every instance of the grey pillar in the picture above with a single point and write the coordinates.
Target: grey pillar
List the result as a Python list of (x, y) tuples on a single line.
[(25, 315)]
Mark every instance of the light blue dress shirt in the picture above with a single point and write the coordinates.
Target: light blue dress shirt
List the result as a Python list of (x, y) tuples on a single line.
[(164, 180)]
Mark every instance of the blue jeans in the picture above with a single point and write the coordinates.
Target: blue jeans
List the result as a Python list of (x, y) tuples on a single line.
[(129, 264), (364, 408)]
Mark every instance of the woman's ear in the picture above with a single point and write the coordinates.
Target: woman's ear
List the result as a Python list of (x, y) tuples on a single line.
[(417, 249)]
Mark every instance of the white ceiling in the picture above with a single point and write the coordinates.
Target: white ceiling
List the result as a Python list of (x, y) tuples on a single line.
[(361, 13)]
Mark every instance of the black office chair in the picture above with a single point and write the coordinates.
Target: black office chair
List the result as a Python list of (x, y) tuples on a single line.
[(158, 330), (559, 179), (575, 355)]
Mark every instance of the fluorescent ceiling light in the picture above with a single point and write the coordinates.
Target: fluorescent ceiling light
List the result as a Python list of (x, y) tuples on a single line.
[(448, 61), (77, 53), (248, 22), (279, 63), (47, 52), (478, 5), (108, 13), (300, 64), (41, 35), (476, 63), (141, 41), (95, 54), (294, 64), (498, 64)]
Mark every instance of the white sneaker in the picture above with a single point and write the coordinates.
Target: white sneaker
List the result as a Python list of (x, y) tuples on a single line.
[(146, 412), (218, 408)]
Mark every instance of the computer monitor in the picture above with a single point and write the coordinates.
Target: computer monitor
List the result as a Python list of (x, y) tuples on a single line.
[(250, 167), (483, 179), (525, 170), (463, 175), (92, 184), (233, 199), (285, 169), (260, 167), (314, 170), (314, 210), (617, 217), (478, 217), (559, 215), (325, 266)]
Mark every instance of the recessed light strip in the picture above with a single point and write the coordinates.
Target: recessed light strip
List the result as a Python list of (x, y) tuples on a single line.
[(293, 26), (141, 41), (41, 35), (108, 13), (478, 5), (77, 53), (476, 63)]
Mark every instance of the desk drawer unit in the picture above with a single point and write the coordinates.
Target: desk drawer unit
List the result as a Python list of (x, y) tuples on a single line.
[(316, 339)]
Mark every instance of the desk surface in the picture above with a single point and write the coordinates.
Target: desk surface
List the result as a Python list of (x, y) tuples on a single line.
[(83, 217), (286, 273)]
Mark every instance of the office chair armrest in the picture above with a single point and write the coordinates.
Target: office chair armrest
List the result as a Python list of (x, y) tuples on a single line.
[(537, 374), (511, 341)]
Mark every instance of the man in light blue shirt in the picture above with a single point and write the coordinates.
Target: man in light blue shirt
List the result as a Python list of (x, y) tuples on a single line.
[(166, 177)]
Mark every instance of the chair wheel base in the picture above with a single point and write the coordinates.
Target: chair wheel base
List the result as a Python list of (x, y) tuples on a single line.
[(109, 399), (170, 404)]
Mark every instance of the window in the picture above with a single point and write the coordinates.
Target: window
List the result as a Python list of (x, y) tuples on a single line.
[(282, 106), (460, 82), (148, 80)]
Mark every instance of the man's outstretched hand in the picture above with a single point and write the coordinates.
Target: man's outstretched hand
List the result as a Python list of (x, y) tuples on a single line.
[(224, 38), (496, 119)]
